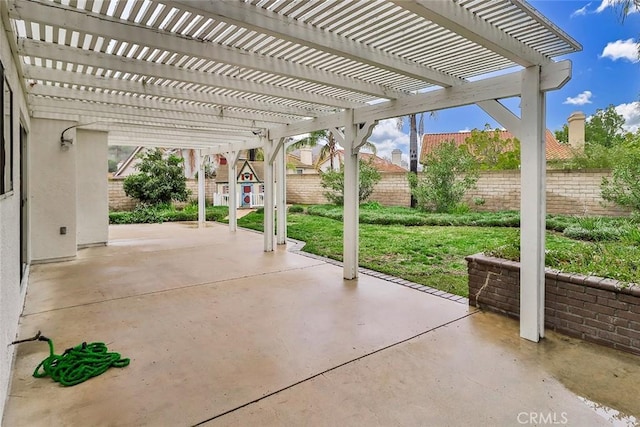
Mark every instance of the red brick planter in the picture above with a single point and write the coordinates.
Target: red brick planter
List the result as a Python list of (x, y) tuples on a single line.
[(603, 311)]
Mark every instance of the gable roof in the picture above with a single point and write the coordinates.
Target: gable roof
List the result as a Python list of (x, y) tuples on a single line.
[(381, 165), (554, 150), (294, 161), (222, 174), (127, 166)]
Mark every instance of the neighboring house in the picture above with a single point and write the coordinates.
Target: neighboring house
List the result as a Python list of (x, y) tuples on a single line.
[(382, 165), (295, 166), (128, 166), (554, 150), (250, 189)]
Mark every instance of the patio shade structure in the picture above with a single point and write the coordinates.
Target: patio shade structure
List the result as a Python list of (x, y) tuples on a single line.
[(224, 76)]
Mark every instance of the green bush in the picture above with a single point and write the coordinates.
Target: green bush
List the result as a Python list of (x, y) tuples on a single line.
[(159, 181), (449, 171), (333, 182), (624, 186), (296, 209)]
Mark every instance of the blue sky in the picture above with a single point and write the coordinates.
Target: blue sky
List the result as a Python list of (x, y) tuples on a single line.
[(606, 71)]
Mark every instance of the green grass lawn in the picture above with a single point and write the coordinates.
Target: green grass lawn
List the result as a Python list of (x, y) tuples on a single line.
[(430, 255)]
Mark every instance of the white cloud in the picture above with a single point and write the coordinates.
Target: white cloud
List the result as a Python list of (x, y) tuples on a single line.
[(580, 99), (621, 49), (605, 4), (464, 130), (631, 114), (387, 137), (581, 11)]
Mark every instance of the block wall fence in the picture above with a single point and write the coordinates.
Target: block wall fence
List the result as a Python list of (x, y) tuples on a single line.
[(568, 192), (602, 311)]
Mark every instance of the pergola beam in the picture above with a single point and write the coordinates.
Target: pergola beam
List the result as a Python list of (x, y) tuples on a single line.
[(247, 119), (105, 61), (105, 110), (117, 29), (553, 76), (34, 73), (450, 15), (273, 24)]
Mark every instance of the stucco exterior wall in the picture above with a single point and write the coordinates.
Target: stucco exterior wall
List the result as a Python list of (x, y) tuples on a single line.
[(92, 202), (11, 291), (52, 190)]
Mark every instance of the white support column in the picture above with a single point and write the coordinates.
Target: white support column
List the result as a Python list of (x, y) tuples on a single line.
[(281, 193), (269, 195), (351, 206), (201, 193), (532, 206), (232, 160), (354, 137)]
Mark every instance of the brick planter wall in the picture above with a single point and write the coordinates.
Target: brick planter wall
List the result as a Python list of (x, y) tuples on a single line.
[(599, 310)]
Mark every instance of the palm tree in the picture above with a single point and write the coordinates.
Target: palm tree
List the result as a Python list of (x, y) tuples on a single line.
[(329, 148), (413, 143)]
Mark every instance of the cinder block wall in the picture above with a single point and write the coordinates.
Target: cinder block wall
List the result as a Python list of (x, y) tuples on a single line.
[(568, 192), (602, 311), (119, 201)]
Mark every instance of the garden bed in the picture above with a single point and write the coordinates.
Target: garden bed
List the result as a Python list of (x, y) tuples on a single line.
[(603, 311)]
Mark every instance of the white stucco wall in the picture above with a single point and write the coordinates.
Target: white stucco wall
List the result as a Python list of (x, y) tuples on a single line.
[(52, 190), (93, 193), (11, 292)]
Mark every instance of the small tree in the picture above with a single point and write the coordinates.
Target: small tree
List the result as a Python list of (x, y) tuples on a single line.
[(624, 186), (159, 181), (333, 181), (493, 152), (449, 171)]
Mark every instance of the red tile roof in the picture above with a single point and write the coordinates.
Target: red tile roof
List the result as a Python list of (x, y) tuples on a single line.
[(381, 165), (554, 150)]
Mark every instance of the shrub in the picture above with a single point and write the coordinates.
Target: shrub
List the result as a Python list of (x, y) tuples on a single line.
[(449, 171), (296, 209), (624, 186), (333, 182), (160, 180)]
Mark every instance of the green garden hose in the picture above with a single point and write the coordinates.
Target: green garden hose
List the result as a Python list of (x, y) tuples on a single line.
[(76, 364)]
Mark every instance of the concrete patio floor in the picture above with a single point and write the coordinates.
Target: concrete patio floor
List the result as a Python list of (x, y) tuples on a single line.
[(220, 333)]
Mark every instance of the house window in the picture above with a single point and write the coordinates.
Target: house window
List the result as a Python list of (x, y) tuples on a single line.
[(299, 171), (225, 189), (261, 188), (6, 139)]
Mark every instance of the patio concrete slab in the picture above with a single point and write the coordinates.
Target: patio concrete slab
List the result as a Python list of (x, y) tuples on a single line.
[(207, 327), (221, 333), (472, 372)]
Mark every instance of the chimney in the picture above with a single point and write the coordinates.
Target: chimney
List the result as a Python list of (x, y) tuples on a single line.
[(306, 156), (576, 130), (396, 157)]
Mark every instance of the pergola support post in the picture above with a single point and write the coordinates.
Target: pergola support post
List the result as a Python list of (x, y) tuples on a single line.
[(271, 148), (532, 206), (232, 160), (355, 135), (201, 191), (281, 194)]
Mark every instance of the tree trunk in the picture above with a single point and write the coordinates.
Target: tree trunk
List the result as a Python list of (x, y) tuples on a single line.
[(413, 150)]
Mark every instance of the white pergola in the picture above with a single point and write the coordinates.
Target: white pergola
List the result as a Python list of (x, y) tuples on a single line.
[(225, 76)]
